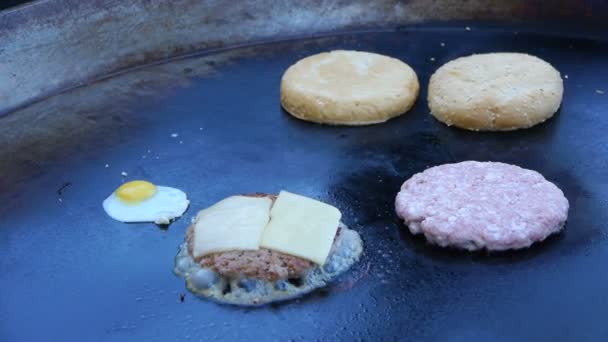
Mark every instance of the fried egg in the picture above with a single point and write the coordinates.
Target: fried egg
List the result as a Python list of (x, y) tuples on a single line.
[(142, 201)]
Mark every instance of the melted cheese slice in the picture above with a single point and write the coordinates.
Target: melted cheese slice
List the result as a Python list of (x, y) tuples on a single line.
[(302, 227), (235, 223)]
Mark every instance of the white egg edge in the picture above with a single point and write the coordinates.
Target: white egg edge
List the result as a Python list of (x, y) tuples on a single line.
[(163, 217)]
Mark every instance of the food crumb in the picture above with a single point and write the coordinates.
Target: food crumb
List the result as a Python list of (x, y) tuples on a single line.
[(63, 187), (599, 91), (442, 44), (181, 142), (566, 76), (468, 28), (174, 135), (124, 174), (200, 128), (107, 165), (432, 59), (149, 151)]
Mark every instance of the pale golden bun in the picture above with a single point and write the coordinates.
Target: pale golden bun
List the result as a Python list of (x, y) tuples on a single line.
[(348, 88), (495, 92)]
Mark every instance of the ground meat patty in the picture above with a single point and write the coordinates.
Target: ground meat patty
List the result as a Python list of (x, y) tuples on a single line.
[(260, 264), (476, 205)]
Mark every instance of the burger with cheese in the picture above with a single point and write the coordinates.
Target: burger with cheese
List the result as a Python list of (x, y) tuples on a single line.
[(256, 249)]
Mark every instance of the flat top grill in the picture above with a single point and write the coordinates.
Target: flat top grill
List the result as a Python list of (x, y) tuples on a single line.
[(69, 272)]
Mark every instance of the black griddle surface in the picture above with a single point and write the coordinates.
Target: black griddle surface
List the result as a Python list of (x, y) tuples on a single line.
[(70, 273)]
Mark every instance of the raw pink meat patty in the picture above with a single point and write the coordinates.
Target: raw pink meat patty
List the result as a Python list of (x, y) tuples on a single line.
[(476, 205)]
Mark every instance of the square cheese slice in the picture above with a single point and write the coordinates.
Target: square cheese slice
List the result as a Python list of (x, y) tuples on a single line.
[(235, 223), (302, 227)]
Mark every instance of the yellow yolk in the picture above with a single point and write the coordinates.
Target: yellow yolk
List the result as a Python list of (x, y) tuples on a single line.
[(136, 191)]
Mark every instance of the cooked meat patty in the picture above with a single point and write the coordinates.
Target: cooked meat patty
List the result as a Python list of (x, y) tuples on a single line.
[(474, 205), (241, 290), (261, 264)]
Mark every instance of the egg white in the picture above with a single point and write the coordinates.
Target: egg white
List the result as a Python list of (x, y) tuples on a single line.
[(164, 206)]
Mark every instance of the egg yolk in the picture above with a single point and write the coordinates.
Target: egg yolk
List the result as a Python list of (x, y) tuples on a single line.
[(136, 191)]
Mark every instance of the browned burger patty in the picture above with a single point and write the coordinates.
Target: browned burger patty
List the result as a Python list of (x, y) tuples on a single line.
[(261, 264)]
